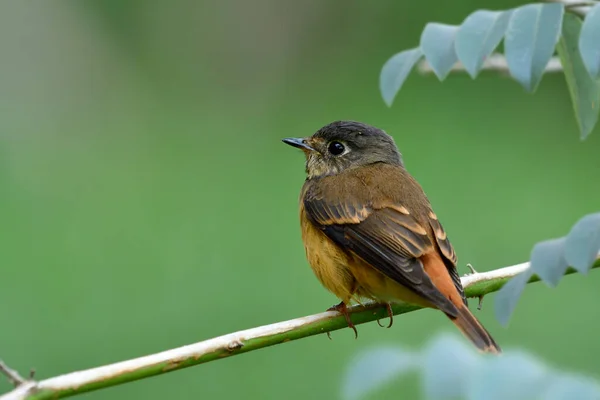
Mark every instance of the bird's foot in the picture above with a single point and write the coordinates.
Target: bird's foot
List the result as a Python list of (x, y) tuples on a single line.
[(388, 307), (343, 309)]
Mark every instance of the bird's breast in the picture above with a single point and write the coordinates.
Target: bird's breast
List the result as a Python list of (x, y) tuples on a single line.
[(327, 260)]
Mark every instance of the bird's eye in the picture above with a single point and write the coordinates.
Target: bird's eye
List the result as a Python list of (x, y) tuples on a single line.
[(336, 148)]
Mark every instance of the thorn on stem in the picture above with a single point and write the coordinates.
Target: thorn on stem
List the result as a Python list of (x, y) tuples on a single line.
[(480, 304), (473, 271)]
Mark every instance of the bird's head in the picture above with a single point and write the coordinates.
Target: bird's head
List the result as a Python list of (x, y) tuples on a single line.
[(342, 145)]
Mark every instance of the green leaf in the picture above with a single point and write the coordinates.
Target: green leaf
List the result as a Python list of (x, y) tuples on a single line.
[(589, 41), (449, 363), (478, 36), (548, 260), (395, 71), (583, 243), (514, 376), (437, 44), (585, 91), (507, 297), (374, 368), (531, 37)]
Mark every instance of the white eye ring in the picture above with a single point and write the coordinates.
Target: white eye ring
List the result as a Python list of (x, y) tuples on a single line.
[(337, 148)]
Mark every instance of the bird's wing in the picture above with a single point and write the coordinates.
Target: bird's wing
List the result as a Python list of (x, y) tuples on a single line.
[(447, 251), (388, 238)]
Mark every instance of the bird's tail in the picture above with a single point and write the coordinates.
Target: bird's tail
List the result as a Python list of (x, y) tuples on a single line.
[(474, 331)]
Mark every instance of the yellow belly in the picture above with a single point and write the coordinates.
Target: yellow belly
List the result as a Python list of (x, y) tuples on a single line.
[(347, 276), (327, 262)]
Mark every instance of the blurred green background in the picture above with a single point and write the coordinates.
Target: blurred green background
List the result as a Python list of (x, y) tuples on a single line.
[(146, 201)]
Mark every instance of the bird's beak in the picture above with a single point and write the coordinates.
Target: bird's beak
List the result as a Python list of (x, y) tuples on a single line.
[(300, 143)]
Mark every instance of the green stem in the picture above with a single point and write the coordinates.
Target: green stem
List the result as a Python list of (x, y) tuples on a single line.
[(476, 285)]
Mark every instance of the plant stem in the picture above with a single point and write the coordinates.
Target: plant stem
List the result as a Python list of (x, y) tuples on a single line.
[(476, 285)]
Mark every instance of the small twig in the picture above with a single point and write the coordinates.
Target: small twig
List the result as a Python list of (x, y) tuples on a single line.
[(580, 8), (495, 62), (580, 4), (13, 376)]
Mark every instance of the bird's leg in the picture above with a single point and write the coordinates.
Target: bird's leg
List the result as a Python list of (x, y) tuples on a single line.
[(343, 309), (388, 307)]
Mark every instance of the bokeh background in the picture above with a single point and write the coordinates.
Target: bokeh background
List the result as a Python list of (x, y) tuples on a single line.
[(146, 201)]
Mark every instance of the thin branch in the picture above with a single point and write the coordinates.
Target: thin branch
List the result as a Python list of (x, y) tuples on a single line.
[(495, 62), (580, 8), (476, 285), (13, 376), (579, 4)]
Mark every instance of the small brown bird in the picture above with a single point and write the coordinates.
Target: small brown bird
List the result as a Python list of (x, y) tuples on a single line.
[(369, 230)]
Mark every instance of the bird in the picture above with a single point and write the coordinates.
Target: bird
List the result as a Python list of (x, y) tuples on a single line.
[(369, 230)]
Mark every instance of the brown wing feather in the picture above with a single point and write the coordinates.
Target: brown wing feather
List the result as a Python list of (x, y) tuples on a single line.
[(388, 239)]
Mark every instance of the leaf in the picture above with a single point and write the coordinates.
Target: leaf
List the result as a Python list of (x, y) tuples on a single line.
[(513, 376), (531, 37), (451, 368), (449, 363), (478, 36), (568, 387), (589, 41), (508, 296), (374, 368), (395, 71), (437, 44), (585, 91), (583, 243), (548, 260)]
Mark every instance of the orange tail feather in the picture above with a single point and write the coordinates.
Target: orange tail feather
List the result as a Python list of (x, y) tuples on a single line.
[(474, 331)]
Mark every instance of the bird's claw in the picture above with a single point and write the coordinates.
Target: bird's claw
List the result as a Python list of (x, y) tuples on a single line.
[(343, 309), (390, 315)]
